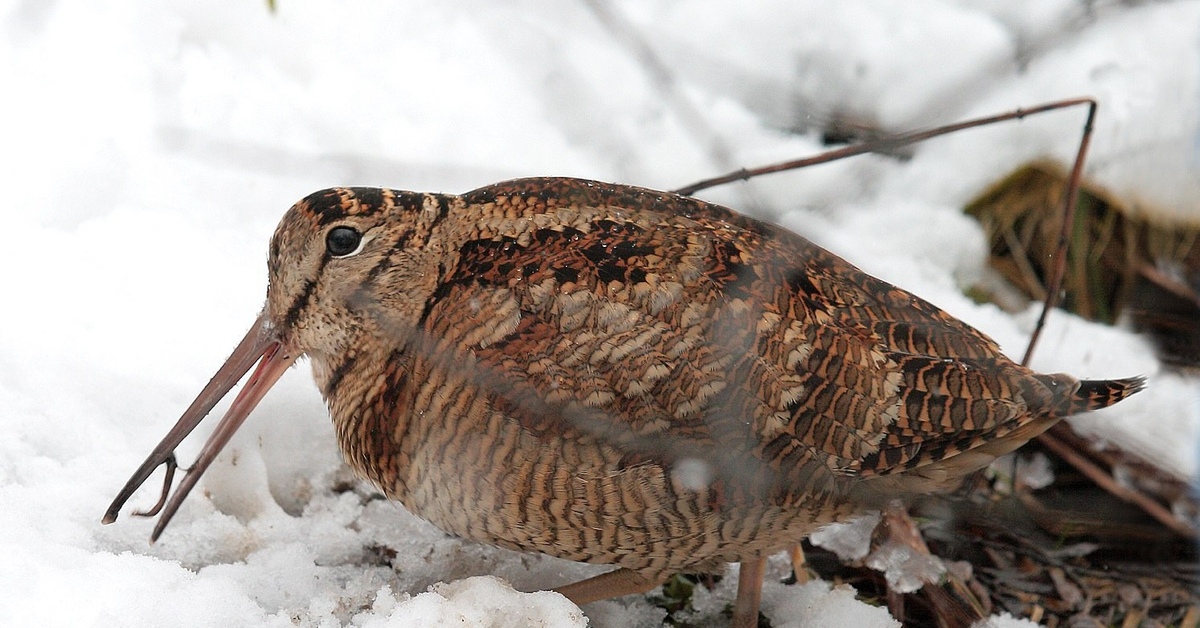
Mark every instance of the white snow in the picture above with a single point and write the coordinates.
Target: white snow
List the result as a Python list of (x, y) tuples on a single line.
[(1019, 469), (1005, 620), (149, 149), (818, 604)]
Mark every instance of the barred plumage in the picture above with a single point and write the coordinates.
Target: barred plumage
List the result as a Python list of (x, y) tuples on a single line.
[(617, 375)]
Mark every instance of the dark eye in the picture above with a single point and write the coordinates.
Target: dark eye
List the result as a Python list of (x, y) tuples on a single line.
[(342, 241)]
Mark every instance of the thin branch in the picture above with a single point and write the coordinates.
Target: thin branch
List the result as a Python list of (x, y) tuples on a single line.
[(1104, 479)]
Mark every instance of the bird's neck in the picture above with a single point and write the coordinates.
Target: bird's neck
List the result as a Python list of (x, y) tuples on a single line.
[(366, 395)]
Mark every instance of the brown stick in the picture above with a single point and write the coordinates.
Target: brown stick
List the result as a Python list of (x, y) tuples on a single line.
[(1168, 283), (889, 144), (1105, 480), (1060, 264)]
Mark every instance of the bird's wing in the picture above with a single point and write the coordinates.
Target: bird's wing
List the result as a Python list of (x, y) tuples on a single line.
[(670, 328)]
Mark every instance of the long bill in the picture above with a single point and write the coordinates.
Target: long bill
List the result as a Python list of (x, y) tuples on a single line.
[(260, 345)]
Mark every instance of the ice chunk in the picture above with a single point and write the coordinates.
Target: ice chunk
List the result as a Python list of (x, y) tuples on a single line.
[(905, 567), (850, 540)]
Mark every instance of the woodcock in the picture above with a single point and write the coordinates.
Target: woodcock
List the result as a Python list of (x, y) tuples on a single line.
[(618, 375)]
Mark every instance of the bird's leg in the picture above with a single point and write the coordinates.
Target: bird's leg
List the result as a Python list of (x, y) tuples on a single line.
[(749, 593), (898, 535), (897, 528), (799, 564), (607, 585)]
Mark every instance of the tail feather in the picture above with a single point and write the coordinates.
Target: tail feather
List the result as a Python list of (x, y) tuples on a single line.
[(1094, 394)]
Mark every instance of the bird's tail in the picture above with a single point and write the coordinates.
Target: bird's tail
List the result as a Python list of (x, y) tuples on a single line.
[(1094, 394)]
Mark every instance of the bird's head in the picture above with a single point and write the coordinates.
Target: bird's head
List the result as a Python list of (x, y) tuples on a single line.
[(349, 267)]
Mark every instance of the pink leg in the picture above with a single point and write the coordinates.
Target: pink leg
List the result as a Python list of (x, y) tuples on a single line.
[(607, 585)]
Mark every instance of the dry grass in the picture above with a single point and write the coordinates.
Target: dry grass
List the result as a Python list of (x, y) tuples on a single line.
[(1118, 263)]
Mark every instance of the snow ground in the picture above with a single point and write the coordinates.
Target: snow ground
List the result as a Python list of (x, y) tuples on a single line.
[(155, 145)]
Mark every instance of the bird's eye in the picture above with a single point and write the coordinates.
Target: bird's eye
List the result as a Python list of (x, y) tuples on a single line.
[(343, 241)]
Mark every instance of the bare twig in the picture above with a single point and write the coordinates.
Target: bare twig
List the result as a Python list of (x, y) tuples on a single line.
[(1104, 479), (1054, 282), (889, 144)]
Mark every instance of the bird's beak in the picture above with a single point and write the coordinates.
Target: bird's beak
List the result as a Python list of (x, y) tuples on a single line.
[(261, 345)]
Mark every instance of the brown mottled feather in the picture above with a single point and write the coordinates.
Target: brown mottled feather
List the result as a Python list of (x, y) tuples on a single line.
[(620, 375)]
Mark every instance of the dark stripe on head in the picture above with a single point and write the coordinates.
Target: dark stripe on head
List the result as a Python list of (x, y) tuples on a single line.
[(301, 302), (326, 205), (334, 204), (443, 205), (293, 313)]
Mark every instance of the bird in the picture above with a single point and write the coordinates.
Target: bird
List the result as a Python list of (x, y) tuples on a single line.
[(618, 375)]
